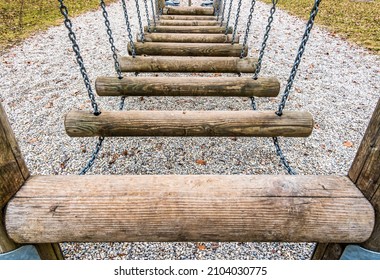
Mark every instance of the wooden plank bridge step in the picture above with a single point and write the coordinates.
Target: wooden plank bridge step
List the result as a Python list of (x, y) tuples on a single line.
[(188, 38), (183, 86), (189, 123), (160, 208), (188, 23), (184, 17), (189, 29), (188, 64), (188, 49), (192, 10)]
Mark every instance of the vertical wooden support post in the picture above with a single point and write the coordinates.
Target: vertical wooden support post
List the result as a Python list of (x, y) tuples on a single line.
[(13, 174), (365, 173)]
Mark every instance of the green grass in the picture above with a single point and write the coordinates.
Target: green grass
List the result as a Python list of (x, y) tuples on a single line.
[(355, 20), (20, 19)]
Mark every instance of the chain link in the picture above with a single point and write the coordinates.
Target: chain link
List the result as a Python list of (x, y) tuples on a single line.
[(129, 28), (147, 14), (94, 156), (297, 61), (224, 8), (282, 157), (266, 36), (142, 36), (249, 23), (111, 40), (64, 11), (229, 16), (154, 15), (236, 22)]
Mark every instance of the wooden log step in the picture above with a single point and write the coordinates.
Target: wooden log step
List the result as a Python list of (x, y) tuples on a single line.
[(188, 23), (189, 123), (188, 49), (168, 208), (189, 29), (192, 10), (183, 86), (188, 38), (188, 64), (182, 17)]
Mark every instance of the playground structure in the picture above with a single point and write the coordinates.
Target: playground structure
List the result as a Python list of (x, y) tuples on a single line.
[(47, 210)]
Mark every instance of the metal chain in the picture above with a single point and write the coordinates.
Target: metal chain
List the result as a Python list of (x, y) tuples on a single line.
[(282, 157), (249, 23), (229, 15), (153, 13), (217, 11), (111, 40), (297, 61), (236, 22), (147, 14), (266, 36), (64, 11), (94, 156), (130, 36), (140, 21), (224, 8)]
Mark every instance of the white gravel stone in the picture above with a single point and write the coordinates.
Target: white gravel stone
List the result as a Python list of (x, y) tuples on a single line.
[(338, 83)]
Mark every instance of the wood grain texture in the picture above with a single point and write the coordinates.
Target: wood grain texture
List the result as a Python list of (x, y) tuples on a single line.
[(191, 29), (189, 123), (187, 64), (189, 208), (183, 86), (188, 38), (193, 10), (13, 170), (182, 17), (188, 23), (13, 174), (365, 173), (188, 49)]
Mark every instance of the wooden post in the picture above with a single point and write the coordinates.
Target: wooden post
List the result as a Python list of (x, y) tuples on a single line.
[(13, 174), (365, 173)]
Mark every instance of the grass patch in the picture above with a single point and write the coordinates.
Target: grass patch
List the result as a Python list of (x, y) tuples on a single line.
[(21, 18), (355, 20)]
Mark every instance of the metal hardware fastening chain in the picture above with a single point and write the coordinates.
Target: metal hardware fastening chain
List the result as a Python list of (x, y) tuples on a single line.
[(130, 36), (282, 157), (266, 36), (147, 14), (95, 153), (249, 23), (297, 61), (111, 40), (229, 16), (224, 8), (64, 11), (140, 21), (236, 22), (154, 14)]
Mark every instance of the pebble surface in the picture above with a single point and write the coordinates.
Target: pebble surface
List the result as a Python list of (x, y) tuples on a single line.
[(338, 83)]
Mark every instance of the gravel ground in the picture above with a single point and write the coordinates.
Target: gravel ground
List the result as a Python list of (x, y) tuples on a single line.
[(337, 82)]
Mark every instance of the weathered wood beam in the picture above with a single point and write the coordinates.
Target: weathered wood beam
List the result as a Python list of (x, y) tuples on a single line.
[(190, 29), (365, 173), (13, 174), (188, 49), (194, 17), (183, 86), (189, 123), (187, 23), (193, 10), (188, 64), (162, 208), (188, 38)]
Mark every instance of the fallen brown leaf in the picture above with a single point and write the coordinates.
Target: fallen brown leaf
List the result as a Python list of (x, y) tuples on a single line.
[(200, 162), (348, 144)]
